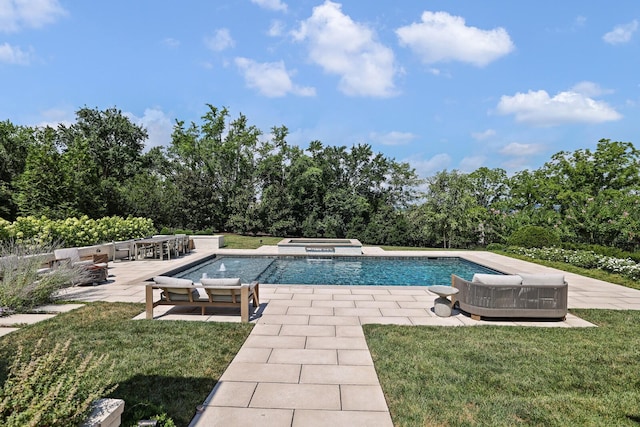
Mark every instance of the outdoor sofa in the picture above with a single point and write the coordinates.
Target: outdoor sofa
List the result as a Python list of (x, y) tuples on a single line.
[(521, 295), (217, 293), (96, 266)]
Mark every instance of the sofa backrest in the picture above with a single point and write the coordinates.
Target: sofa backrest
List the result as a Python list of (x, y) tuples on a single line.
[(524, 279), (497, 279), (544, 279)]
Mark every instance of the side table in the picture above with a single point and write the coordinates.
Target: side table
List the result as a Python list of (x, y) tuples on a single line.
[(442, 304)]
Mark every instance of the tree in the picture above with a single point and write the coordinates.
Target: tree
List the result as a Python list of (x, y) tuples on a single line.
[(14, 145), (39, 187), (115, 146), (450, 212), (215, 167)]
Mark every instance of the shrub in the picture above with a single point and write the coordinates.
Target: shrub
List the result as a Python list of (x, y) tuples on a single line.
[(603, 250), (533, 236), (495, 247), (71, 232), (22, 285), (53, 388), (584, 259)]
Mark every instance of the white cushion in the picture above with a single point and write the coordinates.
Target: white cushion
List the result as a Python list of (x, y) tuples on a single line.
[(171, 281), (221, 282), (549, 279), (497, 279), (71, 253)]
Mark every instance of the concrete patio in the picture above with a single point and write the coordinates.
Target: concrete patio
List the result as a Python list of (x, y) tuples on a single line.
[(306, 362)]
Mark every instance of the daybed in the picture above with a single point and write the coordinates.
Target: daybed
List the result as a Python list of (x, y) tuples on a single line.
[(219, 293), (516, 295)]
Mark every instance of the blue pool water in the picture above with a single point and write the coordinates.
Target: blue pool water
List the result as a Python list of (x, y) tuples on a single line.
[(364, 271)]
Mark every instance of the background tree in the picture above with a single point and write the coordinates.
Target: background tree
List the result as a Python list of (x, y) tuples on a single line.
[(14, 144), (115, 145), (39, 189), (450, 214), (215, 169)]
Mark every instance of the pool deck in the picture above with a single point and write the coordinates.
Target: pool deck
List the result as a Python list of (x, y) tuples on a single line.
[(306, 362)]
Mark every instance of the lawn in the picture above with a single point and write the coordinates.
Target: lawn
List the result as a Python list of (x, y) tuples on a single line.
[(505, 376), (237, 241), (161, 366)]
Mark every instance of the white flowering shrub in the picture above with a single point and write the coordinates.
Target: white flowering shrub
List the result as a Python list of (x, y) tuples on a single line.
[(584, 259), (70, 232)]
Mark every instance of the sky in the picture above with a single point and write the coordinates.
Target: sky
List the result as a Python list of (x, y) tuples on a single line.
[(438, 84)]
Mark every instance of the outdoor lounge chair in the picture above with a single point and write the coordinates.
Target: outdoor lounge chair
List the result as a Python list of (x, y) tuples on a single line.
[(96, 268), (219, 293)]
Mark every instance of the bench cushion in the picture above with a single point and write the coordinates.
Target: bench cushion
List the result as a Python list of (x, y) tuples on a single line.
[(547, 279), (497, 279), (221, 282), (177, 294), (172, 281)]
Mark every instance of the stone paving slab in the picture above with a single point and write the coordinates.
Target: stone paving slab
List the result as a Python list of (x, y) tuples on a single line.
[(24, 319), (296, 396), (57, 308), (234, 394), (305, 356), (309, 330), (362, 398), (224, 416), (339, 374), (7, 330), (355, 357), (262, 372), (317, 418)]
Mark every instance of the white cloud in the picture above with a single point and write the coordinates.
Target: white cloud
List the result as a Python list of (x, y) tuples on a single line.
[(441, 37), (271, 4), (57, 116), (276, 29), (158, 125), (621, 33), (517, 164), (18, 14), (171, 42), (538, 108), (349, 49), (470, 164), (517, 149), (393, 138), (590, 89), (481, 136), (271, 79), (220, 41), (13, 55), (426, 168)]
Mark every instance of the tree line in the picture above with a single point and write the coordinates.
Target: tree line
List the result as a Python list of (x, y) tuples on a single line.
[(224, 174)]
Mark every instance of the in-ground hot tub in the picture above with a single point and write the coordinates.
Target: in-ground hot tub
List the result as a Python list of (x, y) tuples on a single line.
[(303, 246)]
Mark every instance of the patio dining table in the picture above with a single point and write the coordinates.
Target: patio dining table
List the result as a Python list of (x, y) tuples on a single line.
[(154, 247)]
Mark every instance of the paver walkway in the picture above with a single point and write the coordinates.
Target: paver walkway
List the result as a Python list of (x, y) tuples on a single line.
[(306, 362)]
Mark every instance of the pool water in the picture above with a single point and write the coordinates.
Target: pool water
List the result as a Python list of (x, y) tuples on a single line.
[(354, 271)]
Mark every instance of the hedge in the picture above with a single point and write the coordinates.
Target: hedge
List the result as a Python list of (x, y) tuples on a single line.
[(71, 232)]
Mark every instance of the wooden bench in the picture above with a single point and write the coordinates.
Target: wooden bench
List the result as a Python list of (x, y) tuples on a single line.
[(184, 292)]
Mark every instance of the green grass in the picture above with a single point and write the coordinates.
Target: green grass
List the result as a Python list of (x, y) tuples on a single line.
[(237, 241), (506, 376), (161, 366)]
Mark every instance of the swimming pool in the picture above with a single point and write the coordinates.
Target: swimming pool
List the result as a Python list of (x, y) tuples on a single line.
[(353, 271)]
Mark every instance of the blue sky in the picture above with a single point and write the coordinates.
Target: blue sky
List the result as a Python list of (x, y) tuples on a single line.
[(439, 84)]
